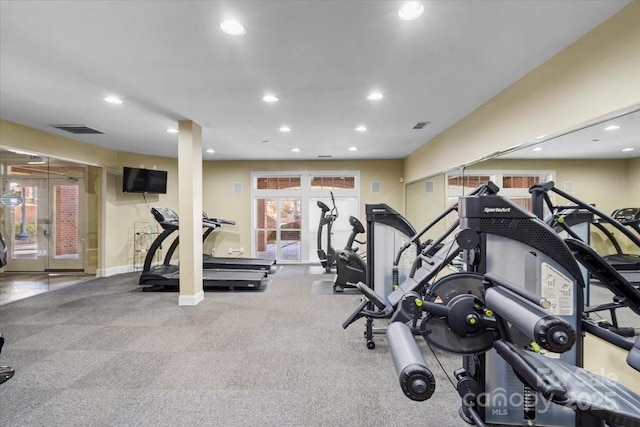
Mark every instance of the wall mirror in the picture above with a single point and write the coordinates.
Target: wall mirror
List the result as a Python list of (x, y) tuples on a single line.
[(48, 222), (597, 162)]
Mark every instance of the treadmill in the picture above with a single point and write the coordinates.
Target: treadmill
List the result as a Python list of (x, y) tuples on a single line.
[(227, 262), (166, 277), (628, 264), (211, 262)]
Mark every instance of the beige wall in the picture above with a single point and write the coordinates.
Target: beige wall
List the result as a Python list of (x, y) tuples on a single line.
[(423, 207), (123, 211), (220, 201), (633, 182), (602, 358), (596, 75)]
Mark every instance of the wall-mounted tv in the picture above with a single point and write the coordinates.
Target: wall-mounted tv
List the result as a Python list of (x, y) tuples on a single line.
[(136, 180)]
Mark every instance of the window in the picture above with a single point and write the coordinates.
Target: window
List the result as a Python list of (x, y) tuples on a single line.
[(514, 185), (278, 183), (467, 180), (522, 181), (332, 182)]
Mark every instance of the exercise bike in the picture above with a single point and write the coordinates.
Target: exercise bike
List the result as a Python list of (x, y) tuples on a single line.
[(350, 266), (327, 218)]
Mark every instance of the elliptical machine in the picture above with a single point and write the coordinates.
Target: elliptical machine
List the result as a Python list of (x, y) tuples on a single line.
[(350, 266), (328, 217)]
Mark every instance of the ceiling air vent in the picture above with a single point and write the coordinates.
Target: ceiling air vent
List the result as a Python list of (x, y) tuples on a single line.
[(325, 156), (78, 129), (420, 125)]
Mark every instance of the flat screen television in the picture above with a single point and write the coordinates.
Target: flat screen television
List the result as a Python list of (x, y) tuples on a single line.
[(136, 180)]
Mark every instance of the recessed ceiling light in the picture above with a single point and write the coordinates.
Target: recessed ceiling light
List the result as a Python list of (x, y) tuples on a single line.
[(285, 129), (538, 149), (361, 129), (269, 98), (113, 100), (172, 130), (612, 127), (410, 11), (231, 27), (295, 150), (627, 149), (211, 150), (374, 96), (353, 149)]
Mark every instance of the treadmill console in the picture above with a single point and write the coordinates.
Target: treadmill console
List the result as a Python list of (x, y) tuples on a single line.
[(167, 218), (626, 215), (215, 222)]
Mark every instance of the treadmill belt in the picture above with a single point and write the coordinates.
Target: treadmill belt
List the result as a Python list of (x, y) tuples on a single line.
[(212, 279), (210, 262)]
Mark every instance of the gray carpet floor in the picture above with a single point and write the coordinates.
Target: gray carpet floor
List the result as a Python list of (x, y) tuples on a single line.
[(102, 353)]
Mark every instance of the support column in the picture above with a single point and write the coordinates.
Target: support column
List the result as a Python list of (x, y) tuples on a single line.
[(190, 212)]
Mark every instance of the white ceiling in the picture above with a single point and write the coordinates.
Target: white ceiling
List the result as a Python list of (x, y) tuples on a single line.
[(169, 61)]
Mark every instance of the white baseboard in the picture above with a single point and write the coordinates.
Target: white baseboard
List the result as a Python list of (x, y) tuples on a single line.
[(191, 299), (121, 269), (112, 271)]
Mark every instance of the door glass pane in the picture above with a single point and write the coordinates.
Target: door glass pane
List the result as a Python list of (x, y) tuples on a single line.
[(24, 209), (66, 225), (266, 228), (24, 222), (290, 235)]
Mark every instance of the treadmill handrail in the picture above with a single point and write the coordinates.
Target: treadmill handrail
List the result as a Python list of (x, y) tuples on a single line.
[(154, 248), (550, 186), (605, 273)]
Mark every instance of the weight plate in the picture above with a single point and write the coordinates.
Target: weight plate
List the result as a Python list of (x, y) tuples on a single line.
[(437, 330)]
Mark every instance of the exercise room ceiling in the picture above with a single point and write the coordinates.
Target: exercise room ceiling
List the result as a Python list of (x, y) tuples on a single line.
[(170, 61)]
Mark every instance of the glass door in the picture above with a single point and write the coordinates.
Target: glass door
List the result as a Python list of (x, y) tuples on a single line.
[(66, 228), (25, 223), (43, 213), (278, 231)]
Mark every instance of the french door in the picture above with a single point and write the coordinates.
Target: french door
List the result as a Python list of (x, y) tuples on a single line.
[(43, 226), (278, 234), (66, 227), (25, 223)]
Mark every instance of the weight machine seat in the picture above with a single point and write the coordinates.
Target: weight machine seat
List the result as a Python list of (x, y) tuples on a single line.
[(572, 386)]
